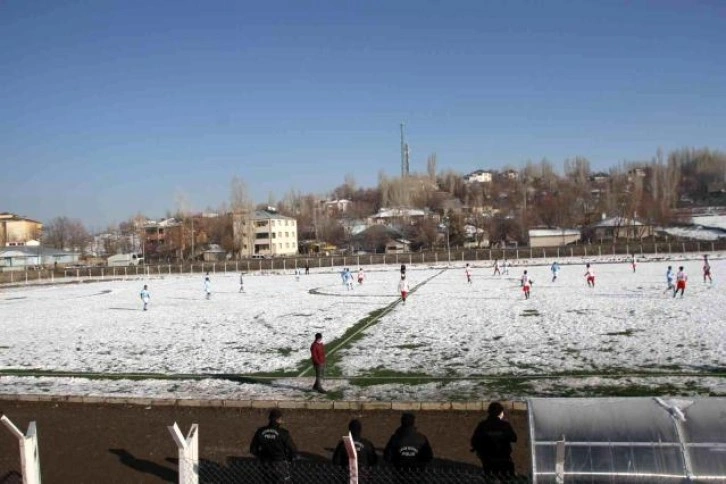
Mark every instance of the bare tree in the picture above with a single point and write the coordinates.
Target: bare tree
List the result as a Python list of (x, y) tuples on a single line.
[(65, 233), (431, 167)]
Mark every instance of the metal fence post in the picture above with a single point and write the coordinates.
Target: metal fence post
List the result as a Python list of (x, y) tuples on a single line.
[(352, 458), (188, 453), (560, 461), (29, 457)]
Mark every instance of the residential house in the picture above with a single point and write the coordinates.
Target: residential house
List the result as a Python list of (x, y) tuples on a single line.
[(553, 237), (510, 174), (397, 216), (618, 228), (476, 237), (479, 176), (265, 233), (18, 231), (335, 207)]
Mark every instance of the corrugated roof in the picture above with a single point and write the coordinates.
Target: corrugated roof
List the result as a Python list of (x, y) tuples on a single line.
[(552, 232), (265, 215)]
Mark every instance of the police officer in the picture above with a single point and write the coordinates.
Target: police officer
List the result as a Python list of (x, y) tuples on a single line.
[(274, 447), (364, 448), (408, 448), (492, 441)]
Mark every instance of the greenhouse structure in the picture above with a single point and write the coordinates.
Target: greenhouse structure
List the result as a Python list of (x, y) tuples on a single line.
[(624, 440)]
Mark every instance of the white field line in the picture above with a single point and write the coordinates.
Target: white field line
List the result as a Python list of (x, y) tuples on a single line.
[(371, 322)]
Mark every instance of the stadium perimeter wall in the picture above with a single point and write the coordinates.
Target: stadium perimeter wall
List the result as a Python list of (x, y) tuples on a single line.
[(121, 440)]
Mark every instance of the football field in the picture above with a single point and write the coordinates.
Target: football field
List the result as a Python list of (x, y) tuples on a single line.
[(452, 340)]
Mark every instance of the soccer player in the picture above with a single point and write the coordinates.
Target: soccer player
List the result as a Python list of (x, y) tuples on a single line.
[(361, 275), (468, 273), (403, 288), (706, 270), (497, 272), (634, 263), (241, 282), (145, 296), (681, 279), (555, 270), (526, 284), (348, 280), (207, 286), (670, 279), (506, 265), (590, 276)]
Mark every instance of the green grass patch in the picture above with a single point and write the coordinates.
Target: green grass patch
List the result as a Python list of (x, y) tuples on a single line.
[(384, 376), (411, 346), (284, 351), (529, 313), (626, 332)]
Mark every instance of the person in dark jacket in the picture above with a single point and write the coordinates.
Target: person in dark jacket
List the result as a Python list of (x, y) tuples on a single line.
[(492, 441), (274, 447), (364, 448), (408, 448)]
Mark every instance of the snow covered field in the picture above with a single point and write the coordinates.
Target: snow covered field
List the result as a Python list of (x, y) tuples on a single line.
[(451, 340)]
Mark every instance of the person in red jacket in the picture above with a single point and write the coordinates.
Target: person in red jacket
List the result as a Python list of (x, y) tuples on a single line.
[(317, 351)]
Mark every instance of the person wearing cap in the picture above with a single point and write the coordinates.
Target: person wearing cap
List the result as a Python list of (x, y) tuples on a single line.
[(492, 441), (365, 450), (273, 446), (317, 354), (408, 448)]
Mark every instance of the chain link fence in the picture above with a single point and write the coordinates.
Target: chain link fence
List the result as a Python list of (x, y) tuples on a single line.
[(245, 471)]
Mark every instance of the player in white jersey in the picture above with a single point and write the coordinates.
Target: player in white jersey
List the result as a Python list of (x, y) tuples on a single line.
[(242, 282), (681, 279), (590, 276), (403, 288), (526, 284), (467, 271), (145, 296)]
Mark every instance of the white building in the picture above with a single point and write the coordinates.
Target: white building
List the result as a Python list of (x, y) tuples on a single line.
[(24, 257), (265, 233), (390, 216), (553, 237), (478, 176)]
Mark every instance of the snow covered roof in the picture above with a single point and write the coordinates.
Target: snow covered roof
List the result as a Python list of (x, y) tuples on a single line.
[(399, 212), (711, 221), (617, 222), (23, 251), (695, 233), (552, 232), (265, 215)]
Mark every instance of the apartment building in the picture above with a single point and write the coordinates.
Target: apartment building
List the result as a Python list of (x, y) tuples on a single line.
[(264, 233), (18, 231)]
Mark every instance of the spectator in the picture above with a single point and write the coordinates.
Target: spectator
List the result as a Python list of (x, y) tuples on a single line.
[(274, 447), (407, 448), (492, 442), (364, 448), (317, 352)]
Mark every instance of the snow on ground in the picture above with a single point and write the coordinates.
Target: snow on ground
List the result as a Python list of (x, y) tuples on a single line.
[(710, 221), (695, 233), (449, 329)]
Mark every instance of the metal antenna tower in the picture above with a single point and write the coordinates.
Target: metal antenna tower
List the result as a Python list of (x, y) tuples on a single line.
[(404, 155)]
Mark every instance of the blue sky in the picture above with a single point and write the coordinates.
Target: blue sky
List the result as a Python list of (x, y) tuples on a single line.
[(111, 108)]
